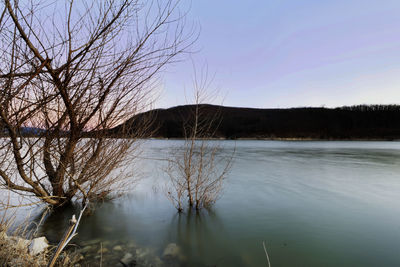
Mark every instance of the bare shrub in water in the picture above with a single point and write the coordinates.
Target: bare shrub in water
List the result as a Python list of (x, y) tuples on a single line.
[(196, 169), (69, 72)]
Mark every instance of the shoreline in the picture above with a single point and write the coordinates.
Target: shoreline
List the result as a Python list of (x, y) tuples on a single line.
[(283, 139), (397, 139)]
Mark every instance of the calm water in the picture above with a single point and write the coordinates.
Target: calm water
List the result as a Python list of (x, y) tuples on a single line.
[(313, 203)]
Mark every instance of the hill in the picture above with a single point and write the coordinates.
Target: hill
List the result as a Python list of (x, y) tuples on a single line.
[(380, 122)]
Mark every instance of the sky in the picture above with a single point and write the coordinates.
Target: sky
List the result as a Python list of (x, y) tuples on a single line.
[(291, 53)]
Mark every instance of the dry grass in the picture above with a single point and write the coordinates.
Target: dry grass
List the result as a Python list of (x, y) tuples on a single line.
[(14, 246), (14, 253)]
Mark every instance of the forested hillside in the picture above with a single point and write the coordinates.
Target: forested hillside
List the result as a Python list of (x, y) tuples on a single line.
[(355, 122)]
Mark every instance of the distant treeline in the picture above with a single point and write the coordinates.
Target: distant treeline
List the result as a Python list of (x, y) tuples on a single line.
[(380, 122)]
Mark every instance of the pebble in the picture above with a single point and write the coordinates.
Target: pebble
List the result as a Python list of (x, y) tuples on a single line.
[(117, 248), (172, 250), (102, 251), (91, 242), (127, 259)]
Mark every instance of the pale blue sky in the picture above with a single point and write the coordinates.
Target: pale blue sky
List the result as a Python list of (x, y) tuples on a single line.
[(290, 53)]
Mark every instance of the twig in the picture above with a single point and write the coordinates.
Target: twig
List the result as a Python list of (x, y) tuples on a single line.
[(63, 241), (76, 225), (266, 254), (69, 234), (101, 254)]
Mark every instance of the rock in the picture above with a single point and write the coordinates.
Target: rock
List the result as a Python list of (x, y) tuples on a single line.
[(117, 248), (172, 250), (142, 252), (127, 259), (131, 244), (90, 242), (38, 245), (102, 251), (106, 243), (86, 249), (158, 262)]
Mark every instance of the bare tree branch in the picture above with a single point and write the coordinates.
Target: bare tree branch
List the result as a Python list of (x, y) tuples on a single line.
[(196, 171), (68, 73)]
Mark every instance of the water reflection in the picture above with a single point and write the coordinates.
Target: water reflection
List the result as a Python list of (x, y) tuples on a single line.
[(55, 222), (314, 203), (199, 233)]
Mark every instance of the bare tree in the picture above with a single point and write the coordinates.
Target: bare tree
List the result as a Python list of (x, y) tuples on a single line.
[(69, 71), (197, 170)]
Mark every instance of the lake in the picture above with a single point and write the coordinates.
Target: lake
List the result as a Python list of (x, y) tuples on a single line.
[(313, 203)]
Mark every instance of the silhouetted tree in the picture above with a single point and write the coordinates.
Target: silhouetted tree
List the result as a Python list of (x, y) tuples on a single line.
[(74, 70)]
